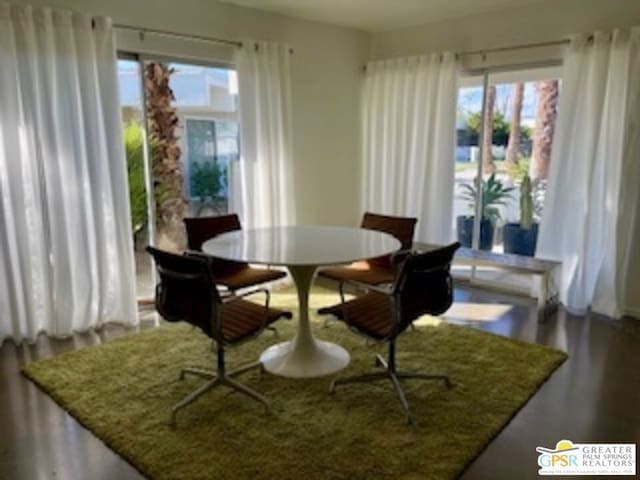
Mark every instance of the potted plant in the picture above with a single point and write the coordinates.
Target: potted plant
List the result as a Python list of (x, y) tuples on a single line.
[(492, 193), (521, 238), (208, 180)]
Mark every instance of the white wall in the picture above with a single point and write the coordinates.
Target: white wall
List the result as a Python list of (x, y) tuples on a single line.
[(326, 79), (541, 22)]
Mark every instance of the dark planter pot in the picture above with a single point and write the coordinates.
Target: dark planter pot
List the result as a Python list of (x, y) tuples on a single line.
[(520, 241), (465, 232)]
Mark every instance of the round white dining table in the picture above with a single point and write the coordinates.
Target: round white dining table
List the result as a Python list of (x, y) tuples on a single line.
[(302, 249)]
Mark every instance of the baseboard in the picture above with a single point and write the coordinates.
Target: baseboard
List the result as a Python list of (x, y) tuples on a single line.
[(632, 312)]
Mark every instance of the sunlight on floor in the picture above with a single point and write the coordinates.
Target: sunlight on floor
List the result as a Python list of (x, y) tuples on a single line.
[(428, 321), (476, 312)]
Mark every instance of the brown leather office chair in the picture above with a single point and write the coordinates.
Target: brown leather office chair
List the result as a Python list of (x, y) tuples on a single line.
[(374, 271), (187, 292), (233, 275), (423, 285)]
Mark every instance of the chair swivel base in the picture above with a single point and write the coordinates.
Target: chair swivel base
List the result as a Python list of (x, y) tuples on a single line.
[(215, 379), (395, 377)]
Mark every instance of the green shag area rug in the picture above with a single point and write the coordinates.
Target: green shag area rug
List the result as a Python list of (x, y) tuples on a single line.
[(122, 391)]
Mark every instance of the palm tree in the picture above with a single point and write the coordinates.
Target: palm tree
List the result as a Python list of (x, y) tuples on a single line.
[(513, 147), (487, 135), (170, 203), (546, 114)]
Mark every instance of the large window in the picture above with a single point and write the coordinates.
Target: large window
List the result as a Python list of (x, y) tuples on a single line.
[(504, 143)]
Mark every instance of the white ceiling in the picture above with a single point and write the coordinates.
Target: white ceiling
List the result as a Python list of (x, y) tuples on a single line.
[(379, 15)]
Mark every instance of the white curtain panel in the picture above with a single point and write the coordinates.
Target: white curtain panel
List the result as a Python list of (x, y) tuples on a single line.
[(591, 202), (66, 261), (409, 135), (264, 193)]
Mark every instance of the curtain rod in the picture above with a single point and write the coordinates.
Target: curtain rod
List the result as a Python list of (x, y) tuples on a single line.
[(168, 33), (524, 46), (184, 36)]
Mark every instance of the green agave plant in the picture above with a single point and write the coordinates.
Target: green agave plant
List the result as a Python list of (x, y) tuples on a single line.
[(493, 193)]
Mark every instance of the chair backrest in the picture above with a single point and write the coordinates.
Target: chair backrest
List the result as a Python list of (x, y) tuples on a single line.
[(400, 227), (201, 229), (423, 285), (186, 290)]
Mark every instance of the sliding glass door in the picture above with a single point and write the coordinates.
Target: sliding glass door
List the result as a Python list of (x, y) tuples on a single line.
[(181, 138), (133, 125), (468, 126), (193, 129), (505, 127)]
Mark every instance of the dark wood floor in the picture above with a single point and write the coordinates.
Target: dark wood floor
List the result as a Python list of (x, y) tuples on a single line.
[(593, 397)]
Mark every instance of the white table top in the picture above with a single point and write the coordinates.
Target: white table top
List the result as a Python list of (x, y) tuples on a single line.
[(301, 245)]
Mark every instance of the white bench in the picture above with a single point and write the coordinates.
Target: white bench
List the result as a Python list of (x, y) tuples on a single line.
[(543, 269)]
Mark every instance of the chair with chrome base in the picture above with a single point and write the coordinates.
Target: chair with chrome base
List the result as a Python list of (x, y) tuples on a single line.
[(373, 271), (187, 292), (229, 274), (423, 285)]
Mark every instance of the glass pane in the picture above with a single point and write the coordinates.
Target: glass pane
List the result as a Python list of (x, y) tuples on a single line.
[(193, 123), (468, 124), (132, 118), (524, 115), (492, 190)]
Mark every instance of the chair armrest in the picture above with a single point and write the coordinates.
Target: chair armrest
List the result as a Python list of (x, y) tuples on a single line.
[(235, 297), (396, 258), (385, 290), (400, 256), (196, 253)]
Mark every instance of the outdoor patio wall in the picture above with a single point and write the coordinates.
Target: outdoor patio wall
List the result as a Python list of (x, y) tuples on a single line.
[(326, 80), (541, 22)]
